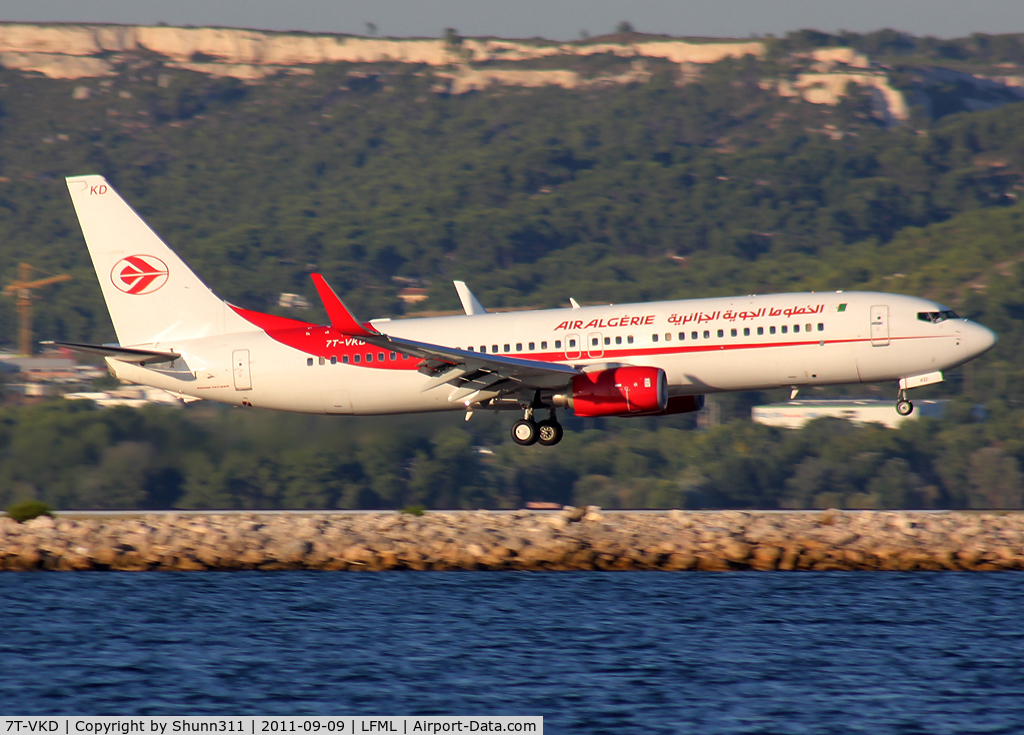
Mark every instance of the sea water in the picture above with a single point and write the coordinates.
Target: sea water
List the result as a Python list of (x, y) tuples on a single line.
[(623, 652)]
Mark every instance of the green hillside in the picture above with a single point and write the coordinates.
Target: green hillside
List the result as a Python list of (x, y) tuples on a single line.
[(607, 194), (530, 196)]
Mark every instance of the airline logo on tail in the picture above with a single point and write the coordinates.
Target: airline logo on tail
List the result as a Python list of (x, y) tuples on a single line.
[(139, 274)]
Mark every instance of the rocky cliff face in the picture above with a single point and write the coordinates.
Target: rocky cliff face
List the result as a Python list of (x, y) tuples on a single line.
[(237, 46), (68, 51)]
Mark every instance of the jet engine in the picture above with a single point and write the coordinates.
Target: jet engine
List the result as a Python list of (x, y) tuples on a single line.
[(620, 391), (680, 404)]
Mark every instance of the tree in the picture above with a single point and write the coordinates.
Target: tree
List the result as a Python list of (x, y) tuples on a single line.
[(996, 480)]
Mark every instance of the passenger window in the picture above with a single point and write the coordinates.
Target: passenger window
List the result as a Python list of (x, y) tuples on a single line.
[(344, 359), (807, 327), (309, 362), (532, 348), (334, 360), (771, 330), (607, 340), (322, 361), (785, 329), (483, 348), (682, 336), (732, 332), (629, 339), (796, 327), (394, 356), (618, 340), (356, 359), (593, 341), (693, 335), (746, 331), (821, 327), (668, 336), (572, 343), (654, 338), (380, 357), (470, 348), (369, 357), (760, 331), (721, 332), (544, 345), (707, 334), (519, 346), (558, 345), (494, 349), (507, 349)]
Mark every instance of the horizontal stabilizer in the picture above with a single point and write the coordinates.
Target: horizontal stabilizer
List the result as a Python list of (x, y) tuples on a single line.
[(124, 354), (339, 314)]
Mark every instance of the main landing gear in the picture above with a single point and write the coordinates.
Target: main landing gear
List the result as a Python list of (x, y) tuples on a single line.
[(547, 433), (903, 406)]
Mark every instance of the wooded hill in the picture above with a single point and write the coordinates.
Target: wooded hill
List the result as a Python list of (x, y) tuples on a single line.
[(622, 193), (661, 189)]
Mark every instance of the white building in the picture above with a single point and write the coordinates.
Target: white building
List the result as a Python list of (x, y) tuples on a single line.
[(795, 414)]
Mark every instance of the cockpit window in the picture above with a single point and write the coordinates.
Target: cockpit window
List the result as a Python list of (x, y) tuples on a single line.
[(936, 316)]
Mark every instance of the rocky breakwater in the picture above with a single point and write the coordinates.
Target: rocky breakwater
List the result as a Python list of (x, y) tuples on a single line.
[(575, 538)]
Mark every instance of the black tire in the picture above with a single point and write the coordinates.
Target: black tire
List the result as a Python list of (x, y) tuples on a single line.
[(549, 433), (904, 408), (524, 432)]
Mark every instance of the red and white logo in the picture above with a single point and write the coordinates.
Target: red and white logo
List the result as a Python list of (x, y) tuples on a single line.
[(139, 274)]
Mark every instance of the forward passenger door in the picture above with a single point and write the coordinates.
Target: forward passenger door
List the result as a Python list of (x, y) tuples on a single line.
[(879, 326)]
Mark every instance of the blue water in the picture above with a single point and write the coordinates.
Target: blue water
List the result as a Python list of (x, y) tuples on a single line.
[(591, 652)]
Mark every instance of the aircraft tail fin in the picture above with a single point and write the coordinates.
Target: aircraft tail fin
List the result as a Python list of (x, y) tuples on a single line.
[(152, 296)]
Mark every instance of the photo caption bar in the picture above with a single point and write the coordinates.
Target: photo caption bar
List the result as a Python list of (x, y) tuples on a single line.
[(432, 725)]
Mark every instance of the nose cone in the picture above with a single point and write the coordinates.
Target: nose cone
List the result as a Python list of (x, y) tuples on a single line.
[(979, 339)]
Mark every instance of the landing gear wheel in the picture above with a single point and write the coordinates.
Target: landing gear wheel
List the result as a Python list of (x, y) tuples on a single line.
[(549, 433), (524, 432), (904, 407)]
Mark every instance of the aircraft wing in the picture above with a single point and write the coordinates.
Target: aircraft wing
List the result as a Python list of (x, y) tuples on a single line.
[(474, 375), (125, 354)]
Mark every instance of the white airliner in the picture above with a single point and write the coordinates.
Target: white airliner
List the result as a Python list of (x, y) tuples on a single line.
[(644, 359)]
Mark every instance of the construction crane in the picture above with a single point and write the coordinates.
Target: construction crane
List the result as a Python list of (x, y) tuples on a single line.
[(23, 288)]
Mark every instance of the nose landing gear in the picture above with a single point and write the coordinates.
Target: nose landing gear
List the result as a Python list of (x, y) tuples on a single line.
[(903, 406), (547, 433)]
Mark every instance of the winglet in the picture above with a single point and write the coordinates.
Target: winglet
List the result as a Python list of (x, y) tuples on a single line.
[(339, 314), (573, 302), (469, 301)]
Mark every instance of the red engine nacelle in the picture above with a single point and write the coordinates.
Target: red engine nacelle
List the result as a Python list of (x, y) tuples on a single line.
[(621, 391), (679, 404)]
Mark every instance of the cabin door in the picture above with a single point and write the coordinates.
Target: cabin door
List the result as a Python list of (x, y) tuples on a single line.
[(572, 347), (240, 360), (879, 326)]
